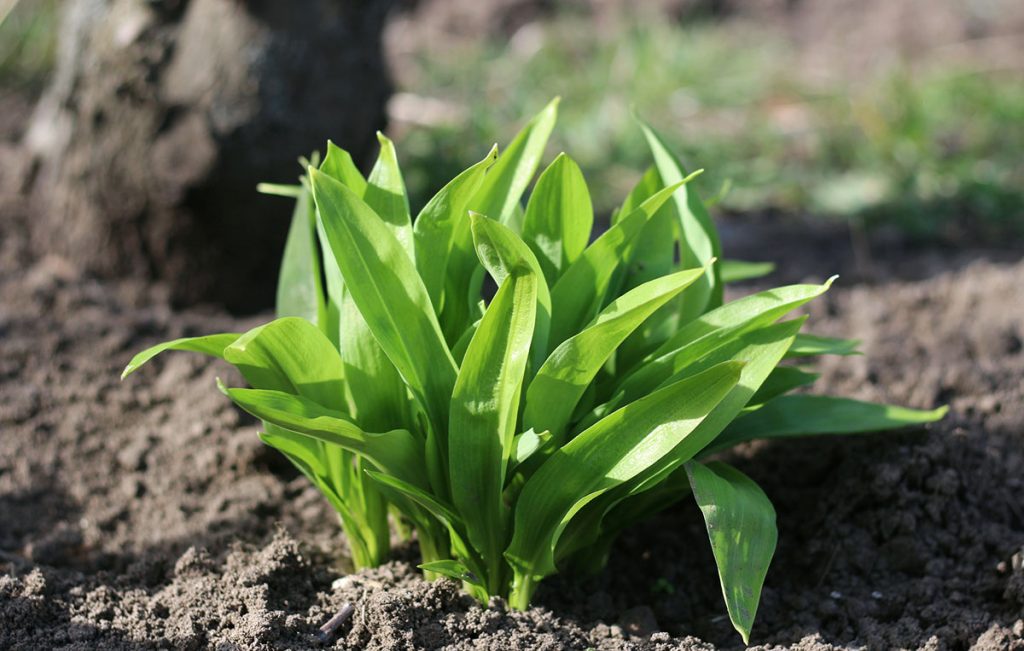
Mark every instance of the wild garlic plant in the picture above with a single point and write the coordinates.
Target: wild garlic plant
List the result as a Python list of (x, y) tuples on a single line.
[(519, 436)]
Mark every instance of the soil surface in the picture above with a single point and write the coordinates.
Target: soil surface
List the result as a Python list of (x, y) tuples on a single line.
[(146, 514)]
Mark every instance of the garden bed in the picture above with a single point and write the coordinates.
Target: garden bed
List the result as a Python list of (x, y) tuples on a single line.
[(146, 514)]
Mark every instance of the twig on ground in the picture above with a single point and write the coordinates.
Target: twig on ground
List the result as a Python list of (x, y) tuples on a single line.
[(327, 630)]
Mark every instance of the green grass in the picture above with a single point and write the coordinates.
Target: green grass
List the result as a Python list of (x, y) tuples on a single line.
[(936, 154)]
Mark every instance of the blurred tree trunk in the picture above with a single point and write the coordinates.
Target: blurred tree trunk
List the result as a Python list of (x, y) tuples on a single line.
[(164, 114)]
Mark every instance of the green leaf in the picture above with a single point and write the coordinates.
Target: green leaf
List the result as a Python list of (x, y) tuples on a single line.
[(289, 354), (782, 379), (645, 188), (699, 242), (713, 330), (807, 345), (613, 451), (397, 453), (299, 292), (453, 570), (559, 217), (526, 444), (386, 195), (388, 292), (212, 345), (339, 166), (505, 183), (734, 271), (503, 253), (741, 525), (280, 190), (434, 229), (579, 293), (484, 408), (803, 415), (560, 383)]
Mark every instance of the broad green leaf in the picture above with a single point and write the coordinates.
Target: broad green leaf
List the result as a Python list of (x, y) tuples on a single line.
[(734, 271), (526, 444), (212, 345), (290, 354), (613, 451), (434, 229), (388, 292), (699, 242), (807, 345), (579, 293), (299, 292), (485, 405), (803, 415), (453, 570), (502, 253), (560, 383), (386, 195), (559, 217), (507, 180), (782, 379), (740, 521), (397, 453), (339, 166), (759, 351), (712, 330)]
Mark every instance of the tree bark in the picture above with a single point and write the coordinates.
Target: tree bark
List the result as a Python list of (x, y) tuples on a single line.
[(163, 115)]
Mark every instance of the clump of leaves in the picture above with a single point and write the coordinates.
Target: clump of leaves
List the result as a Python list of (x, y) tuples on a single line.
[(519, 436)]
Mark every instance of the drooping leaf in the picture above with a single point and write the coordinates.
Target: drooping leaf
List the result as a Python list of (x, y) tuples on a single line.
[(212, 345), (803, 415), (740, 521), (559, 217), (397, 453), (453, 570), (485, 405), (782, 379), (734, 271), (807, 345)]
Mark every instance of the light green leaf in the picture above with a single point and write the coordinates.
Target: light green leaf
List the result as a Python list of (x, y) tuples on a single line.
[(782, 379), (386, 195), (434, 229), (502, 253), (741, 525), (579, 293), (807, 345), (713, 330), (339, 166), (734, 271), (613, 451), (559, 217), (299, 292), (803, 415), (453, 570), (212, 345), (560, 383), (397, 453), (484, 409), (699, 242), (388, 292), (506, 181)]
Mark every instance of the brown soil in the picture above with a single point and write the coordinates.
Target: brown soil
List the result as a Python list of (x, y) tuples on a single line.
[(146, 514)]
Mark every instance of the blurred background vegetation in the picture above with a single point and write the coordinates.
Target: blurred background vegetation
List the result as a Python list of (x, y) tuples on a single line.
[(900, 116)]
